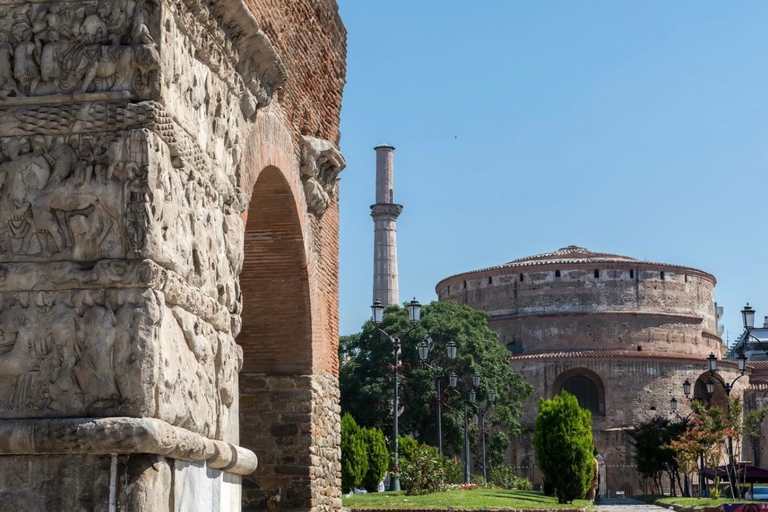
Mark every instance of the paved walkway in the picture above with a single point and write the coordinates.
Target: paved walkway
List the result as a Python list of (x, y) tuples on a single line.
[(626, 505)]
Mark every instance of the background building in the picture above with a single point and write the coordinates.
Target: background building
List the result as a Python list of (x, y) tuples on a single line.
[(618, 333)]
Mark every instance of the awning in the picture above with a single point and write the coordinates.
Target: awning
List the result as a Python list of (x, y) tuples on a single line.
[(748, 474)]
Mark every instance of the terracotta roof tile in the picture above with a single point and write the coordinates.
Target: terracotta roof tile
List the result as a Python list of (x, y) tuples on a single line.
[(573, 254), (606, 354)]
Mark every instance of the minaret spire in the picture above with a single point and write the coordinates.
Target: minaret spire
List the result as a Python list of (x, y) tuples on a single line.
[(385, 213)]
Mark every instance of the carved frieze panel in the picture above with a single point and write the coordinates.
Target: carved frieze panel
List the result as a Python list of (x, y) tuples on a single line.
[(56, 48), (117, 274), (77, 197), (93, 353), (190, 230), (87, 353)]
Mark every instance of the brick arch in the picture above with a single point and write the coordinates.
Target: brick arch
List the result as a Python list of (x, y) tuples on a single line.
[(276, 335), (587, 373), (718, 399)]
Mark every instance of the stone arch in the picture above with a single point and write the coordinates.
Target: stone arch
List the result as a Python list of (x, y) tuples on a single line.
[(592, 399), (276, 334), (276, 402), (718, 399)]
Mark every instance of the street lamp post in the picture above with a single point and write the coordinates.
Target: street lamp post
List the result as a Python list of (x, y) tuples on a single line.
[(438, 374), (673, 408), (489, 404), (453, 381), (728, 387), (377, 315), (703, 491)]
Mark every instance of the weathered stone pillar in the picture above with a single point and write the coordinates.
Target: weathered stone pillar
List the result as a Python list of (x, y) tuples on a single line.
[(127, 134)]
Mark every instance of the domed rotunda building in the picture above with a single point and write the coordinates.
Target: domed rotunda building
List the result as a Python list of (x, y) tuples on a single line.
[(620, 334)]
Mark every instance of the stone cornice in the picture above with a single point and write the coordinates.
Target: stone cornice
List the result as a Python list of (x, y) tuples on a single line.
[(104, 436), (505, 315)]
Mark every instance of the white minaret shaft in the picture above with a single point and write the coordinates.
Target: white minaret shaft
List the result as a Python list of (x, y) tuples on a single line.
[(385, 213)]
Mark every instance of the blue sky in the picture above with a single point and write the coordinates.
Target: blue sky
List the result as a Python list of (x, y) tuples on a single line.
[(638, 128)]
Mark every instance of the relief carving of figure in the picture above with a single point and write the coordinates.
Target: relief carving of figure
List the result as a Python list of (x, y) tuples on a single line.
[(8, 86), (64, 195), (31, 220), (67, 47)]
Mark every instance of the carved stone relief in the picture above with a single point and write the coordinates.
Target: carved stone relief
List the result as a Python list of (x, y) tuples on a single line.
[(85, 46), (321, 164), (75, 353), (114, 353), (64, 196)]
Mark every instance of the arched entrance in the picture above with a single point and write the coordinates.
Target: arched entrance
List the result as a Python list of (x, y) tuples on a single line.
[(276, 337), (602, 489), (718, 399)]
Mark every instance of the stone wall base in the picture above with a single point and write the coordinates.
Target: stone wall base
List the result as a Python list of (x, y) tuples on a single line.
[(292, 423), (103, 483)]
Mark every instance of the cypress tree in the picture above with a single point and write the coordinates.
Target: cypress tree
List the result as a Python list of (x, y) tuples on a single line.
[(378, 458), (564, 447), (354, 455)]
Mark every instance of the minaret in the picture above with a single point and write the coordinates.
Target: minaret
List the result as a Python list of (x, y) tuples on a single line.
[(385, 213)]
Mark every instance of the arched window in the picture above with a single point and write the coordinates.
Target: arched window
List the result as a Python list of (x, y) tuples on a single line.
[(585, 391)]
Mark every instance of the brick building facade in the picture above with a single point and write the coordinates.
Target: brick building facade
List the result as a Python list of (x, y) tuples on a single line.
[(620, 334)]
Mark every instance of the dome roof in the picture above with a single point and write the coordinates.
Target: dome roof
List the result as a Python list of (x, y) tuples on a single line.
[(570, 254), (575, 255)]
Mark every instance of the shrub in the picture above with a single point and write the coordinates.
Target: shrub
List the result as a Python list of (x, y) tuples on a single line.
[(454, 471), (423, 472), (405, 447), (378, 458), (523, 484), (354, 456), (506, 478), (478, 481), (563, 442)]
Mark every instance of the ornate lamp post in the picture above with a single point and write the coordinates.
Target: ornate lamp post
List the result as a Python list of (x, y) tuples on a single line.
[(748, 320), (728, 387), (489, 403), (377, 315), (702, 481), (673, 409), (453, 381), (438, 372)]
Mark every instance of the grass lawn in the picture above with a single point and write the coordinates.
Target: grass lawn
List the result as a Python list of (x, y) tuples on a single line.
[(691, 503), (468, 500)]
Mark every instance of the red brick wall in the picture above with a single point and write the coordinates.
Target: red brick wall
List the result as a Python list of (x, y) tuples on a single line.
[(311, 40), (276, 335)]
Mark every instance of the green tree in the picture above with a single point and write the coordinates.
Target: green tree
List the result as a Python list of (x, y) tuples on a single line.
[(753, 426), (366, 378), (378, 458), (406, 445), (564, 447), (354, 455), (654, 454)]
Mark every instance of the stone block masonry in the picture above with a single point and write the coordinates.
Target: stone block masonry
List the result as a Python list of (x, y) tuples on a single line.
[(620, 334), (168, 178)]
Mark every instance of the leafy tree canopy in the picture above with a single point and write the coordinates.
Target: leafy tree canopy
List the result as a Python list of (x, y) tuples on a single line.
[(366, 378), (654, 455)]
